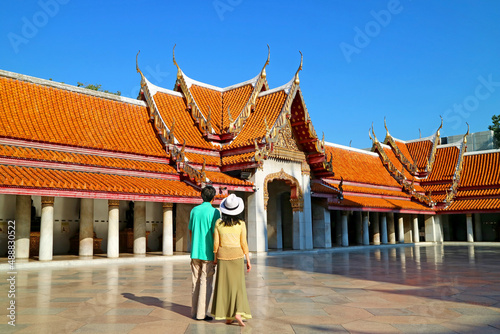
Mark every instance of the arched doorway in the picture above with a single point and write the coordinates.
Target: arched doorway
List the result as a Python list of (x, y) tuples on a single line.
[(283, 200)]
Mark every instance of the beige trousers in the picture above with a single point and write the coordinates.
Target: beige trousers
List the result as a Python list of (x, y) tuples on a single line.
[(203, 275)]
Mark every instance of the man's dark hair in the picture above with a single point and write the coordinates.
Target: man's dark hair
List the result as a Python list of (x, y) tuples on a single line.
[(208, 193)]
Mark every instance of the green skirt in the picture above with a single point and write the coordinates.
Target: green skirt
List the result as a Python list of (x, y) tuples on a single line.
[(230, 293)]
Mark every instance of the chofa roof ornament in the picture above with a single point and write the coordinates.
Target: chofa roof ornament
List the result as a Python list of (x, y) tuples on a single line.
[(179, 72), (297, 80), (263, 71)]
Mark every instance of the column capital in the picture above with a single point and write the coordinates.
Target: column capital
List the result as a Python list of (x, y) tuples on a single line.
[(168, 205), (113, 202), (47, 200)]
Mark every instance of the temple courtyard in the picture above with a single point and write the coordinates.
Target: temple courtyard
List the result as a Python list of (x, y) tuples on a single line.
[(450, 288)]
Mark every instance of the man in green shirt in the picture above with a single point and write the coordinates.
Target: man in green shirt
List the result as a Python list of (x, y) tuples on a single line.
[(201, 231)]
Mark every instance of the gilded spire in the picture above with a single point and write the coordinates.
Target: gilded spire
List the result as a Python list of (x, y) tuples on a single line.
[(263, 72), (179, 72), (137, 63), (387, 130), (297, 80), (465, 136)]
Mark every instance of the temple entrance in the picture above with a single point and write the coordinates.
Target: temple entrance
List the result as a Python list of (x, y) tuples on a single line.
[(279, 216), (283, 201)]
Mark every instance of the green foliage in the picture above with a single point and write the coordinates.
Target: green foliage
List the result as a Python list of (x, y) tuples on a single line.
[(496, 129), (96, 88)]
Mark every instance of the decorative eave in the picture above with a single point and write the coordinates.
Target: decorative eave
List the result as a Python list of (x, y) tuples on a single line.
[(435, 142), (236, 125), (450, 195), (165, 134), (397, 174), (267, 146), (411, 167), (201, 122)]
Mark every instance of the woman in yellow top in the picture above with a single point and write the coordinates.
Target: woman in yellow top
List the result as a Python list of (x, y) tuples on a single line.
[(230, 246)]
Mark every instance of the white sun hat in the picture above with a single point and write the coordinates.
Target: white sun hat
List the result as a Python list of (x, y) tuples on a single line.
[(232, 205)]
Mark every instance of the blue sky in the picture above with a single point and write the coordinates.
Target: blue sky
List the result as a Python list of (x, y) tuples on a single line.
[(409, 61)]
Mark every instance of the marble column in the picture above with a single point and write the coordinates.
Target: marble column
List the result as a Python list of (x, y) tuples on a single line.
[(113, 229), (139, 227), (359, 227), (390, 228), (168, 229), (376, 228), (257, 216), (416, 232), (366, 228), (401, 229), (345, 233), (430, 229), (86, 235), (383, 227), (322, 236), (478, 233), (338, 228), (470, 233), (23, 226), (296, 239), (47, 229)]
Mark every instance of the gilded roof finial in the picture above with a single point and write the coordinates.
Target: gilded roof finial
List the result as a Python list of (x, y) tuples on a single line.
[(465, 136), (297, 80), (323, 140), (179, 72), (263, 72), (440, 127), (385, 125), (374, 139), (137, 63)]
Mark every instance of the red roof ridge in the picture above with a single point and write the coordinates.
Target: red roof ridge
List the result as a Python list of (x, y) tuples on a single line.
[(71, 88)]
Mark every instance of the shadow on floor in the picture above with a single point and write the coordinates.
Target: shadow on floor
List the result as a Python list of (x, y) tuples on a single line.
[(153, 301)]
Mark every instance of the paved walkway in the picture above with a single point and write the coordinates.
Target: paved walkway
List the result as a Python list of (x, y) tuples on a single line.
[(417, 289)]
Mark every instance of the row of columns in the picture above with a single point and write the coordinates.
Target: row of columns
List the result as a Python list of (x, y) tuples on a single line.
[(383, 228), (86, 235)]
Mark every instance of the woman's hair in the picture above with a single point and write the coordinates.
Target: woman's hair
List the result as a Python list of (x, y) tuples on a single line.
[(228, 220)]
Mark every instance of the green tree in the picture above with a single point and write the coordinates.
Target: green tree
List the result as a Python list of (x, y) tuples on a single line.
[(96, 88), (496, 129)]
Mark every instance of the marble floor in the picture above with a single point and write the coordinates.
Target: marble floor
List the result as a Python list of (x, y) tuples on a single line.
[(415, 289)]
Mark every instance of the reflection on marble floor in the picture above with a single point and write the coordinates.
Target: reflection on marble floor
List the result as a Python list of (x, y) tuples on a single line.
[(419, 289)]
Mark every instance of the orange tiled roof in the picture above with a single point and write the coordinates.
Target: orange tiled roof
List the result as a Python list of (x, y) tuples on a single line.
[(375, 191), (209, 99), (420, 152), (444, 164), (357, 166), (174, 107), (404, 150), (385, 203), (198, 158), (44, 155), (221, 178), (238, 158), (234, 99), (267, 107), (492, 204), (481, 170), (40, 178), (46, 114)]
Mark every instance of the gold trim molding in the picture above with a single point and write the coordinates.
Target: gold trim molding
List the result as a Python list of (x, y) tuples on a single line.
[(296, 196)]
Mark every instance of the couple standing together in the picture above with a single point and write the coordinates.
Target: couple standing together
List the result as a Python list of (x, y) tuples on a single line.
[(219, 240)]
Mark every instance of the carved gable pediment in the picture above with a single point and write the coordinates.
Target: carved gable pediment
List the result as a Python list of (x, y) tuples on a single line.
[(285, 146)]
